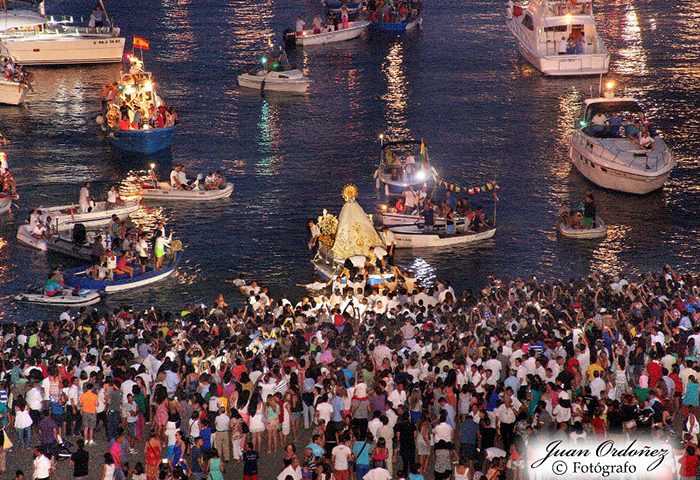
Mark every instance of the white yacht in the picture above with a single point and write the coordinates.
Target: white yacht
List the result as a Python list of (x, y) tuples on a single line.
[(34, 39), (559, 37), (619, 157)]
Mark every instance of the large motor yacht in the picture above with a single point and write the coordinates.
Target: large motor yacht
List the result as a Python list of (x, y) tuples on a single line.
[(559, 37), (616, 147), (32, 38)]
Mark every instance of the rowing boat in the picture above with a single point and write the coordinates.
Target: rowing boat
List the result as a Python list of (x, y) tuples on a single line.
[(600, 230), (165, 192), (415, 236)]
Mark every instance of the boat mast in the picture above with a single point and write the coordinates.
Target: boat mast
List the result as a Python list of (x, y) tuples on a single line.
[(109, 20)]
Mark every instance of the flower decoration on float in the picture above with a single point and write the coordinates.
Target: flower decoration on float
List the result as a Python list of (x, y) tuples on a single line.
[(349, 192), (328, 225)]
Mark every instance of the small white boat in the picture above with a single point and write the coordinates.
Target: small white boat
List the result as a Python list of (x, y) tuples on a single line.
[(63, 243), (25, 237), (541, 28), (292, 81), (98, 215), (12, 93), (415, 236), (6, 202), (606, 156), (329, 35), (600, 230), (163, 191), (66, 297)]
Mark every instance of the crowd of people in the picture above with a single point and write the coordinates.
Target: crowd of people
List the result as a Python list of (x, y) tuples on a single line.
[(179, 181), (396, 380), (627, 126), (133, 104), (394, 11), (14, 72)]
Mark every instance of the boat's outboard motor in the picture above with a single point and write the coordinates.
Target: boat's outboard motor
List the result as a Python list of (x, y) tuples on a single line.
[(290, 39), (79, 234)]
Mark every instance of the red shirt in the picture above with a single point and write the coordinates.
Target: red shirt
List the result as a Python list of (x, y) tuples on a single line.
[(654, 369), (689, 466)]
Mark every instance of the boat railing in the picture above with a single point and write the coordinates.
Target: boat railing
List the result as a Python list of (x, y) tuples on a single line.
[(626, 158), (61, 29), (561, 8)]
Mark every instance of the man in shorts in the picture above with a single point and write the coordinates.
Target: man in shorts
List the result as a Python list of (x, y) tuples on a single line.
[(88, 404)]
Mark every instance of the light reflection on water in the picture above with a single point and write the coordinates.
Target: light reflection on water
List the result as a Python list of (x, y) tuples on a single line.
[(485, 112)]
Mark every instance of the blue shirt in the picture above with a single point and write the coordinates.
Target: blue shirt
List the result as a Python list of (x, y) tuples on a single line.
[(361, 458), (316, 449), (467, 431), (513, 383), (338, 408), (195, 456), (206, 436)]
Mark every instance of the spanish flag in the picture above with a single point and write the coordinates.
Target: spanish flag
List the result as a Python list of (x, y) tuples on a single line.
[(141, 43)]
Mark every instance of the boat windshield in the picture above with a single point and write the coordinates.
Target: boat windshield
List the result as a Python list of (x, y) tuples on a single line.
[(566, 7), (610, 119)]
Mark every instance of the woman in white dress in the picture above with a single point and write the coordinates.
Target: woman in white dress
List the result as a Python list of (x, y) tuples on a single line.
[(257, 423), (108, 468)]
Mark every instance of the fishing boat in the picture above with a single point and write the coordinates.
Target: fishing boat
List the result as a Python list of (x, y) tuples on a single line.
[(559, 37), (82, 277), (416, 236), (65, 297), (349, 239), (403, 164), (100, 213), (32, 38), (330, 35), (131, 131), (599, 230), (612, 156), (6, 200), (277, 75), (163, 191), (389, 19)]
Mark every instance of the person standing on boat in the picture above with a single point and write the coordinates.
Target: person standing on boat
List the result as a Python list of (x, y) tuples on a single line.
[(562, 46), (317, 24), (580, 44), (315, 234), (344, 16), (84, 198), (411, 200), (428, 217), (300, 25), (589, 210), (99, 17), (159, 250), (615, 124)]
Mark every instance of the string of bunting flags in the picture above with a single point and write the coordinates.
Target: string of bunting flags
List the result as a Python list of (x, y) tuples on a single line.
[(491, 186)]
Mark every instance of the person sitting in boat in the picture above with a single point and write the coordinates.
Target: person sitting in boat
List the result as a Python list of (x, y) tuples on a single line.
[(317, 24), (123, 265), (84, 199), (615, 124), (51, 287), (112, 198), (213, 181), (39, 231), (632, 131), (175, 179), (449, 216), (170, 117), (477, 219), (645, 139), (400, 205), (598, 122), (124, 123), (9, 186)]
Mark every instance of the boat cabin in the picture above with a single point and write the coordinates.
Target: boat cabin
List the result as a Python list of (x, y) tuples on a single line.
[(607, 117), (551, 23)]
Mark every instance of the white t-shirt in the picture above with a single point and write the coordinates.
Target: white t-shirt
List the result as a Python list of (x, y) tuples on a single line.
[(341, 453), (84, 198), (173, 178), (42, 467), (410, 198), (325, 411)]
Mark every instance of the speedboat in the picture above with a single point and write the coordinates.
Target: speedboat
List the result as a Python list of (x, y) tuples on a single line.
[(349, 238), (609, 157), (330, 35), (137, 88), (277, 75), (6, 201), (402, 164), (598, 230), (74, 297), (81, 277), (32, 38), (416, 236), (547, 32)]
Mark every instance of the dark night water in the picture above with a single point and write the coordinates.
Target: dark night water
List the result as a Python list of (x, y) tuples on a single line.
[(459, 83)]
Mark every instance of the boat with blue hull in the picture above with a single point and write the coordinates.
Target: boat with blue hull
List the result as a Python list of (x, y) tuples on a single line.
[(146, 142), (396, 27), (81, 277)]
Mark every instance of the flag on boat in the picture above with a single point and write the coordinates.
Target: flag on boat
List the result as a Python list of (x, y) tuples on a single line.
[(141, 43), (422, 147)]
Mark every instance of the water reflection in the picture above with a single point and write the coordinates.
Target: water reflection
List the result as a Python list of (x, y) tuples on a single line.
[(268, 140), (632, 59), (396, 96), (179, 34)]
